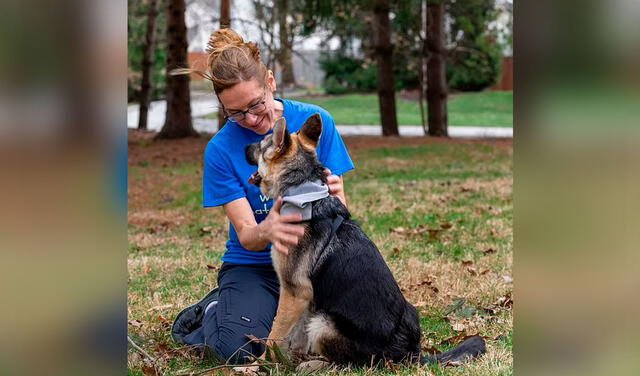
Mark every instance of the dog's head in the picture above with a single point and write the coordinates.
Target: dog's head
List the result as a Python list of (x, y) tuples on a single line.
[(285, 160)]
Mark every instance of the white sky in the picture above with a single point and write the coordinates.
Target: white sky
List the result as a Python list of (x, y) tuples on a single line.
[(200, 13)]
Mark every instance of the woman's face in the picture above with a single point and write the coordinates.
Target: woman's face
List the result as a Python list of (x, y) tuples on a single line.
[(247, 95)]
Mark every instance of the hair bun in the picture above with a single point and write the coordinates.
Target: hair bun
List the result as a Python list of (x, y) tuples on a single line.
[(255, 51), (222, 39), (231, 60)]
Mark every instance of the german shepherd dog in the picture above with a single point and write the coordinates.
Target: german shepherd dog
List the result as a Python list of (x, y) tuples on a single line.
[(336, 277)]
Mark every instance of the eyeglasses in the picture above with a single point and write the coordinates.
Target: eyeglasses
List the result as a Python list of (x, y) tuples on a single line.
[(256, 109)]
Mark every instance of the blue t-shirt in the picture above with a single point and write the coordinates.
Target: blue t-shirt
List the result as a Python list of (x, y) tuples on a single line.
[(226, 171)]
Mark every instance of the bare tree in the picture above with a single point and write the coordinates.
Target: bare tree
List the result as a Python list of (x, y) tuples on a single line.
[(178, 117), (436, 75), (225, 14), (225, 23), (422, 72), (286, 43), (147, 64), (384, 57)]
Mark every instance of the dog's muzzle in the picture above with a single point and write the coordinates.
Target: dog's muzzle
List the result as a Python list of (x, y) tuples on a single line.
[(255, 179)]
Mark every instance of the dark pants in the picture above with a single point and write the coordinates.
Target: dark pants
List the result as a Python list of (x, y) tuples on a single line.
[(247, 305)]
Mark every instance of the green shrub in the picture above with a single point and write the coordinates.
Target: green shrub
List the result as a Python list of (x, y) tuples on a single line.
[(474, 69), (333, 86), (346, 74)]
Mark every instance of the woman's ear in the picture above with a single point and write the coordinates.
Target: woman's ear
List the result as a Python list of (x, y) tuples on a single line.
[(271, 81)]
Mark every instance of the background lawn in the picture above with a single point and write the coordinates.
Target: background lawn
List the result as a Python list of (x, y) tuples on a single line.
[(440, 212), (491, 109)]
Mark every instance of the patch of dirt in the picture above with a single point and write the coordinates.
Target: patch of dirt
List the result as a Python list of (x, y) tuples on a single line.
[(143, 149)]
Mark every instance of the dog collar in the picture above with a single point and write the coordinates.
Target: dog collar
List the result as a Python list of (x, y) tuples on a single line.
[(298, 199)]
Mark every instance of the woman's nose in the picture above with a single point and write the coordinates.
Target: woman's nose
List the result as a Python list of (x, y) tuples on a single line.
[(250, 118)]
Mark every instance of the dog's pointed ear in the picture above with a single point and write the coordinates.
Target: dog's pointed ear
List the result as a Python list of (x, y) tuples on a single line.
[(281, 136), (312, 130)]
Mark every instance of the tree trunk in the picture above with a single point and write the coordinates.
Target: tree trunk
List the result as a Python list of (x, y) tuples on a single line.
[(147, 64), (225, 23), (384, 57), (177, 123), (284, 55), (436, 78), (225, 14), (422, 76)]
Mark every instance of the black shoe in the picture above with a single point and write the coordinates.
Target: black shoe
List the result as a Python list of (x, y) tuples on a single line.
[(190, 318)]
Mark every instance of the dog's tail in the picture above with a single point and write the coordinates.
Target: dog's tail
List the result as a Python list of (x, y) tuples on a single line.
[(471, 348)]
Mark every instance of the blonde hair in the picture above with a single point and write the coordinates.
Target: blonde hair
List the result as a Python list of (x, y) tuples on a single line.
[(230, 60)]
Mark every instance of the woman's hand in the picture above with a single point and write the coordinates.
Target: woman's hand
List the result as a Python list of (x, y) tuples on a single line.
[(336, 187), (280, 230)]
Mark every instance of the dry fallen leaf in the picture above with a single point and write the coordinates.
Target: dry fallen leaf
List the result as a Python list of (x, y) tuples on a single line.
[(433, 234), (206, 229), (149, 370), (505, 301), (162, 350), (459, 338), (166, 323), (489, 251), (458, 327), (467, 262), (135, 323)]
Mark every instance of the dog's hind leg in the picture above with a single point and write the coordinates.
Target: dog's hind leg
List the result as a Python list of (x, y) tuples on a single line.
[(297, 341), (327, 341)]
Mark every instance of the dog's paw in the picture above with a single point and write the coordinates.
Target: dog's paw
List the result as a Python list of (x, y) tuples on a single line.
[(248, 370), (312, 366)]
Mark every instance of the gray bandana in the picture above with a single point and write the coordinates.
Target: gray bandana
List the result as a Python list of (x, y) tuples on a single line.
[(298, 199)]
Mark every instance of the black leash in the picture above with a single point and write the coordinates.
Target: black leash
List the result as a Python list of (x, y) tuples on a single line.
[(337, 221)]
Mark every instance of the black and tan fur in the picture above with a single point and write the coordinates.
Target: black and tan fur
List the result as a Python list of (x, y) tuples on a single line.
[(353, 308)]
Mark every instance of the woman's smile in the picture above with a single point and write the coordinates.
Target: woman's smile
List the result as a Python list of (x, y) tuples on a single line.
[(258, 125)]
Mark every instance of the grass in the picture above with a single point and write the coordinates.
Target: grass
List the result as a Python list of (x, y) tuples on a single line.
[(440, 213), (494, 109)]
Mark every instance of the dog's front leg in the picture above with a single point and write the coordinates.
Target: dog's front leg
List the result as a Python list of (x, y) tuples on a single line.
[(290, 309)]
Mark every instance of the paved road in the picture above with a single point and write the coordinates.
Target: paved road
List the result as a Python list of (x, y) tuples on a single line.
[(204, 104)]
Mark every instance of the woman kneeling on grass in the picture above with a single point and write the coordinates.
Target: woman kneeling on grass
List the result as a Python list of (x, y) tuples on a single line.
[(247, 296)]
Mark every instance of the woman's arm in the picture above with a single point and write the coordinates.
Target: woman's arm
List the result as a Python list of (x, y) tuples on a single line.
[(280, 230)]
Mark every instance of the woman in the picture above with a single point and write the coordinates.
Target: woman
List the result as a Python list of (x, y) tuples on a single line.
[(248, 285)]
